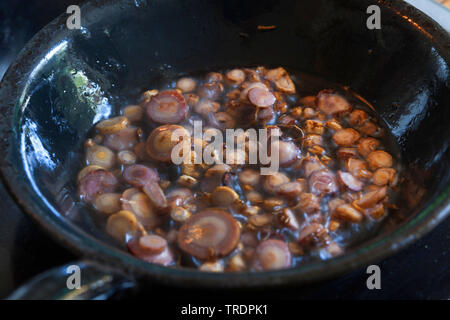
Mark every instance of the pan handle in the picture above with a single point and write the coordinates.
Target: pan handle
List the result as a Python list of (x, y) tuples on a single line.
[(94, 282)]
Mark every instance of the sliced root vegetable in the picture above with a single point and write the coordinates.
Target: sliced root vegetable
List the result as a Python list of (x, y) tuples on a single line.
[(334, 249), (379, 159), (308, 203), (137, 202), (345, 153), (183, 193), (107, 203), (237, 263), (247, 86), (314, 126), (214, 77), (112, 125), (223, 196), (166, 107), (311, 164), (211, 90), (290, 190), (100, 156), (323, 182), (261, 97), (133, 113), (274, 181), (249, 177), (186, 84), (272, 254), (138, 175), (313, 140), (370, 129), (346, 137), (180, 214), (288, 219), (357, 168), (123, 139), (96, 182), (214, 177), (209, 233), (236, 76), (122, 225), (205, 107), (332, 103), (383, 176), (311, 234), (357, 117), (83, 172), (126, 157), (349, 181), (367, 145), (163, 139), (347, 213), (152, 244), (281, 79), (376, 212), (212, 266), (371, 198), (145, 247), (155, 194), (287, 152), (264, 115)]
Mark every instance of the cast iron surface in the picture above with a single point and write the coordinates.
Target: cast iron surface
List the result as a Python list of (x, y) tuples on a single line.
[(417, 77)]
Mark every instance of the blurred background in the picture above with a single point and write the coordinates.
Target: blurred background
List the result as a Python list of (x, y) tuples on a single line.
[(419, 272)]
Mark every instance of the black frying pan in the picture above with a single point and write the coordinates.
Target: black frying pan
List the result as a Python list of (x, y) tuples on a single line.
[(65, 80)]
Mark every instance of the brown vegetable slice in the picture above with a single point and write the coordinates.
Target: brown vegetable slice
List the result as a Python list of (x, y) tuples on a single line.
[(383, 176), (311, 234), (236, 76), (274, 181), (345, 153), (211, 90), (223, 196), (371, 198), (122, 140), (209, 233), (346, 137), (308, 203), (310, 165), (96, 182), (349, 181), (147, 247), (133, 113), (282, 81), (323, 182), (290, 190), (126, 157), (367, 145), (249, 177), (162, 140), (379, 159), (261, 97), (348, 213), (272, 254), (112, 125), (332, 103), (205, 107), (357, 118), (288, 219), (166, 107), (138, 175)]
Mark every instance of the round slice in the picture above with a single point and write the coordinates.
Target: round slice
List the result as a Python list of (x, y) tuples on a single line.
[(166, 107), (96, 182), (162, 140), (112, 125), (261, 97), (272, 254), (138, 175), (122, 225), (209, 233)]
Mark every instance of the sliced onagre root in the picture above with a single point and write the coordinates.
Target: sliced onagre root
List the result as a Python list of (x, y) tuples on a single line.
[(272, 254), (208, 234)]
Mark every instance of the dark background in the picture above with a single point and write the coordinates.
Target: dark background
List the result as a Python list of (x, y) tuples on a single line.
[(419, 272)]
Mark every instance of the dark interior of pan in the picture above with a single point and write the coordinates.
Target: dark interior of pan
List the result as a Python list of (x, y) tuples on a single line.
[(66, 80)]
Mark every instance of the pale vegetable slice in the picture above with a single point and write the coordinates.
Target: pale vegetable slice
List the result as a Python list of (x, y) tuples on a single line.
[(96, 182), (155, 194), (133, 113), (379, 159), (236, 76), (137, 202), (107, 203), (331, 103), (323, 182), (186, 84), (138, 175), (83, 172), (122, 225), (274, 181), (100, 156), (272, 254), (140, 248), (349, 181), (167, 107)]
